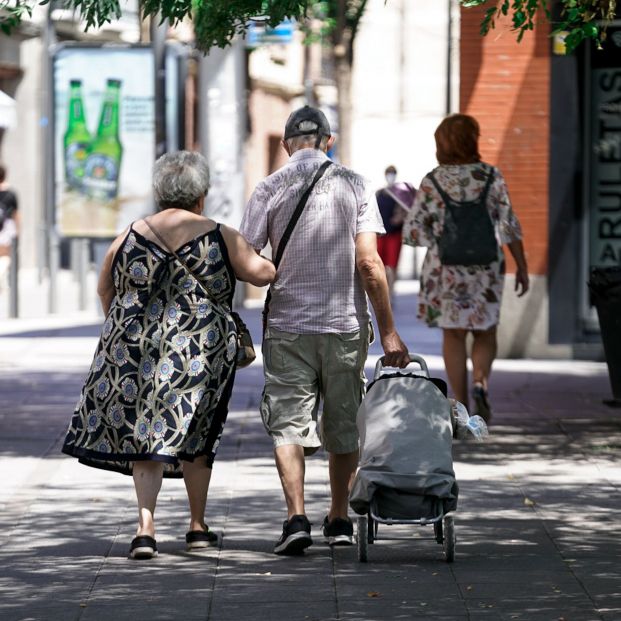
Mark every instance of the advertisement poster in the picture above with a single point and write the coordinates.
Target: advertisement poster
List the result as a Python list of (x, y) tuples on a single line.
[(104, 139), (605, 169)]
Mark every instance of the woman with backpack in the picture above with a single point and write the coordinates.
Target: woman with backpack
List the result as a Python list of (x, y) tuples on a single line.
[(463, 214)]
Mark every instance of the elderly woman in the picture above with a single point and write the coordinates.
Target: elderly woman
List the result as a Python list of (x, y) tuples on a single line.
[(156, 398), (464, 298)]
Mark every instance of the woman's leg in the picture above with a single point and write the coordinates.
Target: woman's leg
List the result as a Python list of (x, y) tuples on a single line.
[(483, 353), (455, 357), (196, 476), (148, 482)]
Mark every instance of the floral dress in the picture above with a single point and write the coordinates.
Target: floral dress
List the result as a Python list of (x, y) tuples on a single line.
[(457, 296), (161, 378)]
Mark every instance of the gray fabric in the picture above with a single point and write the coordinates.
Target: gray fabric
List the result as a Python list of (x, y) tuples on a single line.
[(406, 438)]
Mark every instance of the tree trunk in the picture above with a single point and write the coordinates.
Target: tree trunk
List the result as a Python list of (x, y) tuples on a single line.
[(343, 70)]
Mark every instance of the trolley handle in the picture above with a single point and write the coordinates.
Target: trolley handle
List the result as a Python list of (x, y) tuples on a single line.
[(379, 367)]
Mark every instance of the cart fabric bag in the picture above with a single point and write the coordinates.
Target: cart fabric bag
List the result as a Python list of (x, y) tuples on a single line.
[(406, 440)]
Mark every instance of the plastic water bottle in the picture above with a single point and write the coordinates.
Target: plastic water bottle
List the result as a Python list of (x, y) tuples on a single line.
[(477, 427), (460, 418), (466, 424)]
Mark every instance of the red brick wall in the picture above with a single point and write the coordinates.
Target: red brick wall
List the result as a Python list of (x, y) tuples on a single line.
[(506, 86)]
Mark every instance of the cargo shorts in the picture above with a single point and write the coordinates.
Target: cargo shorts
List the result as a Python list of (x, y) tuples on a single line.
[(301, 370)]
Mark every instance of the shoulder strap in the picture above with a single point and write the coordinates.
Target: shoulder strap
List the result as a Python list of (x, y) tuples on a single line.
[(298, 212), (445, 197), (395, 198), (488, 185), (179, 259)]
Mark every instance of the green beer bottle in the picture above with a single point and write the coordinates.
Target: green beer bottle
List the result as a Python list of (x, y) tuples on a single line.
[(77, 138), (101, 169)]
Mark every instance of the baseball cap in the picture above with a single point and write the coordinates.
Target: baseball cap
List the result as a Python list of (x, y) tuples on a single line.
[(307, 113)]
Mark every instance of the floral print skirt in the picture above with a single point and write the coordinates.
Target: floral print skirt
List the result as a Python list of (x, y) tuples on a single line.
[(460, 297)]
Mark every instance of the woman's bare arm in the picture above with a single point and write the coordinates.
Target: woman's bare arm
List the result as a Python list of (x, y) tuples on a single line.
[(247, 264), (105, 286), (516, 248)]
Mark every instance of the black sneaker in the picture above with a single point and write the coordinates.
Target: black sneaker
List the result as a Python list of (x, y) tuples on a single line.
[(295, 536), (338, 532)]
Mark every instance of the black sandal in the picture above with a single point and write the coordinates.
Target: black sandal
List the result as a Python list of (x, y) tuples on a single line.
[(196, 539), (481, 402), (143, 547)]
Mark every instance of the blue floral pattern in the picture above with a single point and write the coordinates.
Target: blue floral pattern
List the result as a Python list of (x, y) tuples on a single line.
[(161, 377)]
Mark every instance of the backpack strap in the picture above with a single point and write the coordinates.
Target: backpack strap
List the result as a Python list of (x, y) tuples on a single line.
[(443, 195), (447, 199), (488, 185)]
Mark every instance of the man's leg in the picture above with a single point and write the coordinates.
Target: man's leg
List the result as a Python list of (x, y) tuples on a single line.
[(343, 390), (342, 470), (290, 464), (289, 411)]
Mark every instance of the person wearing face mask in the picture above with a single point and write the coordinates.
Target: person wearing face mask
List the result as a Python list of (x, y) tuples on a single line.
[(394, 200)]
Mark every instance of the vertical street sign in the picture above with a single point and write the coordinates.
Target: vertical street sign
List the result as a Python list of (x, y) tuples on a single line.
[(605, 153)]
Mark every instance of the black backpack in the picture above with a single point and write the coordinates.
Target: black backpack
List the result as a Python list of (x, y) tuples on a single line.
[(468, 236)]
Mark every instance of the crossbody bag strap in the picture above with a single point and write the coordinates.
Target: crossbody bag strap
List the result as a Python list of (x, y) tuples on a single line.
[(298, 212), (180, 260), (287, 234)]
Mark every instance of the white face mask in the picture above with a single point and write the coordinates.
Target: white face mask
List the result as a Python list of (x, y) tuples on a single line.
[(391, 178)]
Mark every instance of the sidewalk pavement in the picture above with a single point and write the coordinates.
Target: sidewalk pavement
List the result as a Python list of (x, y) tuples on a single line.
[(538, 535)]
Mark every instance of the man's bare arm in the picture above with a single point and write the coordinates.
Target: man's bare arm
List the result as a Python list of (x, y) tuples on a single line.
[(373, 275)]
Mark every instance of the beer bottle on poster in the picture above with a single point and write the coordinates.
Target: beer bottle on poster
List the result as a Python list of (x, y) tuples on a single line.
[(77, 138), (101, 170)]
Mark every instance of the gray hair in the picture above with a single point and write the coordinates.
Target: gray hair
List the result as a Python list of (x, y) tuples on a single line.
[(180, 179), (309, 140)]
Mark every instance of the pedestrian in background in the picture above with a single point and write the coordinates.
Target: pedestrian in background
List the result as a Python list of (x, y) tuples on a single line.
[(394, 201), (156, 399), (9, 225), (318, 324), (462, 209)]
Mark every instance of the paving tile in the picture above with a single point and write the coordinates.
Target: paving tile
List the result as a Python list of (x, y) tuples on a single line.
[(537, 535)]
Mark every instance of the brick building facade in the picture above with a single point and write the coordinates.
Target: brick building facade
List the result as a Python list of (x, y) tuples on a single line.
[(535, 110)]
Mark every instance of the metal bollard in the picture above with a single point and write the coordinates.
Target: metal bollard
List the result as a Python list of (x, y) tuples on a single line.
[(14, 280)]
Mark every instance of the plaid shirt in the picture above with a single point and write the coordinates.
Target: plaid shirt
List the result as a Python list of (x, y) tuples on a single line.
[(317, 289)]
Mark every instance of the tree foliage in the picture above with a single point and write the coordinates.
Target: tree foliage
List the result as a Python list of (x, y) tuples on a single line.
[(581, 19), (217, 22)]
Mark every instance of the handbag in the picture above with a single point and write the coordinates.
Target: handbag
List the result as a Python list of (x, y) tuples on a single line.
[(245, 349), (468, 236), (284, 240)]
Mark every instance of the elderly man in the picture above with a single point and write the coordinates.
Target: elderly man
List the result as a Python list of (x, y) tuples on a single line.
[(317, 328)]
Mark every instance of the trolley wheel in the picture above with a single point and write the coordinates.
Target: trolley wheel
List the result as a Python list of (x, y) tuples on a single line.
[(362, 538), (449, 539), (372, 529), (437, 530)]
